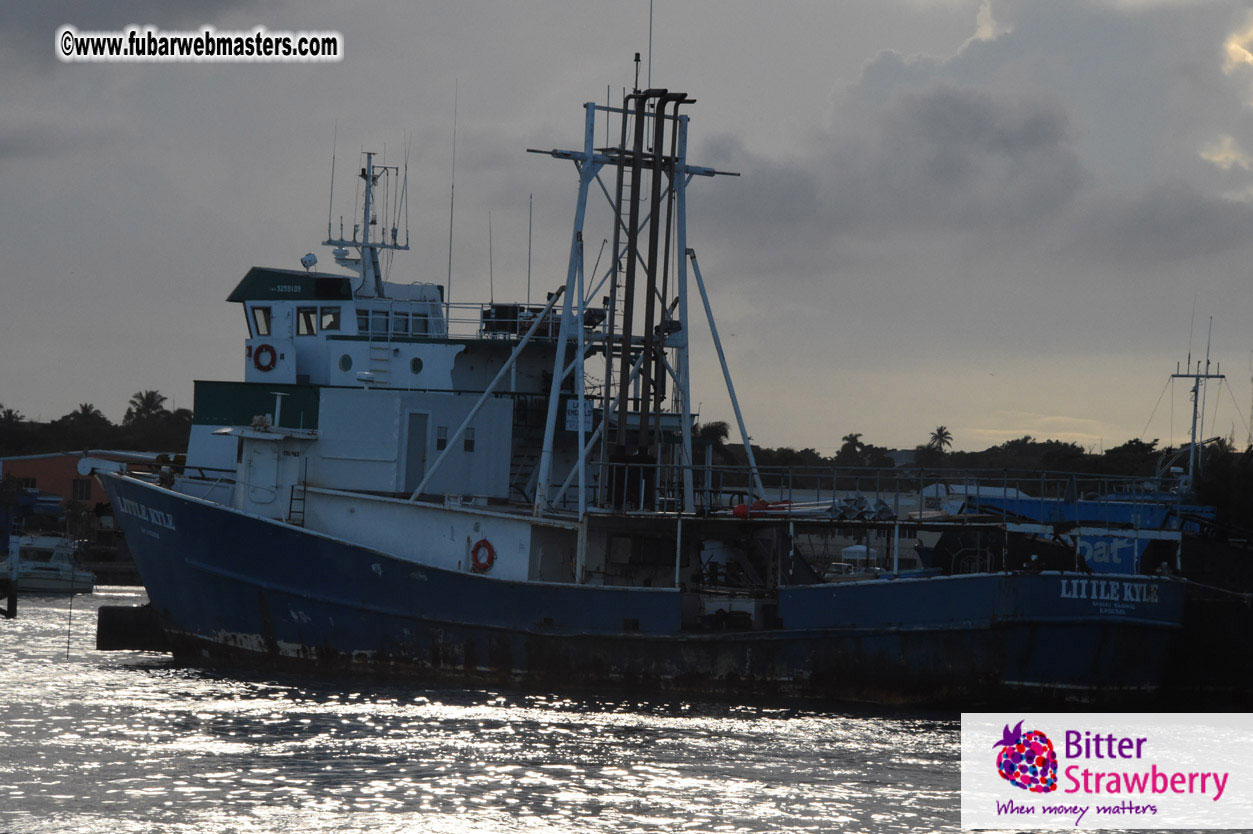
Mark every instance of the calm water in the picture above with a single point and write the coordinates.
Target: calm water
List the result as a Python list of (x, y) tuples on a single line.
[(126, 741)]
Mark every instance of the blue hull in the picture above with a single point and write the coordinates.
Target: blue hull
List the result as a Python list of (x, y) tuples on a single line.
[(231, 585)]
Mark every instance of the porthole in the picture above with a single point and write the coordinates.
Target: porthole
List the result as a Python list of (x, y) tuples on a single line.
[(415, 365), (345, 362)]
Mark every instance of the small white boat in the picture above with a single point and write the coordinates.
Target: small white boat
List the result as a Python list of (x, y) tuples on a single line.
[(45, 564)]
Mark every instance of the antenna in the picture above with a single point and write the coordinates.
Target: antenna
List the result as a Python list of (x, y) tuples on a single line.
[(491, 272), (1204, 390), (637, 72), (1199, 377), (1191, 326), (530, 220), (355, 196), (452, 199), (331, 203), (406, 191), (650, 44)]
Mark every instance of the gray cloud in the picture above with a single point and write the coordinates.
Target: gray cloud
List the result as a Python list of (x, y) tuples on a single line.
[(934, 159), (1049, 135), (1167, 223), (953, 157), (929, 227), (34, 141)]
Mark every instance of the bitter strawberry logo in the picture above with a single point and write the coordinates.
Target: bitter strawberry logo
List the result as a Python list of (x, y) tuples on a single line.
[(1027, 760)]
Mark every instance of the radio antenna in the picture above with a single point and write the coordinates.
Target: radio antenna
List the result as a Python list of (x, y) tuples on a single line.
[(650, 44), (1191, 327), (491, 271), (331, 203), (530, 221), (1209, 338), (452, 200), (405, 190)]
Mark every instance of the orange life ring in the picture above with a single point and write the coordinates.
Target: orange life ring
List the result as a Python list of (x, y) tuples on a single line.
[(482, 556), (270, 361), (761, 507)]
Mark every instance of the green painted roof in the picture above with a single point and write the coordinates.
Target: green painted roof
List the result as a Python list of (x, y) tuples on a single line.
[(236, 403), (262, 284)]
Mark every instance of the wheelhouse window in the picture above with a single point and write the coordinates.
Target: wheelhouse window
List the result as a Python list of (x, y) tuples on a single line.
[(419, 324), (261, 321), (441, 438), (306, 321), (468, 440), (400, 324), (330, 319), (363, 321), (378, 321)]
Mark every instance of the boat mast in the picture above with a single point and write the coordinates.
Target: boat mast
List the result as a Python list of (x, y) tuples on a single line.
[(369, 248), (642, 356), (1198, 377), (369, 257), (589, 166)]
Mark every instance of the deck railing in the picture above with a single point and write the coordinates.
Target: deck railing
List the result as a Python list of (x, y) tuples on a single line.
[(510, 321)]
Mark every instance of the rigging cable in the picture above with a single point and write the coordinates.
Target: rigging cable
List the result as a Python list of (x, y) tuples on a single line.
[(1217, 403), (1237, 407), (356, 196), (1172, 412), (1159, 402)]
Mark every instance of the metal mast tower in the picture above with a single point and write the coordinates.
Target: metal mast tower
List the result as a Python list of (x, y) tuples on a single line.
[(646, 331), (371, 271), (1198, 378)]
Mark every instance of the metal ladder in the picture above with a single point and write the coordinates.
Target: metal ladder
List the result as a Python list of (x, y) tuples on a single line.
[(380, 360), (522, 471), (296, 505)]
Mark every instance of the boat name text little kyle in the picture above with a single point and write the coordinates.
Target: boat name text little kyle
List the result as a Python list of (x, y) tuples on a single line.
[(144, 513), (1109, 590)]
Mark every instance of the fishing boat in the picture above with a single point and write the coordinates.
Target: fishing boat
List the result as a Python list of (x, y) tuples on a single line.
[(512, 492), (46, 564)]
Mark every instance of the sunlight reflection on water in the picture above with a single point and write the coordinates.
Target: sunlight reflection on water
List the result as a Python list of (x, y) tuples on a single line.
[(134, 742)]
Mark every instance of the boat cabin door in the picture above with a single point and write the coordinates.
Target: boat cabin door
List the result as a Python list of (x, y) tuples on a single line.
[(415, 451)]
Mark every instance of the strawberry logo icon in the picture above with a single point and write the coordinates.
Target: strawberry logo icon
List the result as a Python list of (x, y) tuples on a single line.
[(1027, 760)]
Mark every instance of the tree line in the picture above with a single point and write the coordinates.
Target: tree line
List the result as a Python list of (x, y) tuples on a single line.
[(1224, 474), (147, 426), (1134, 458)]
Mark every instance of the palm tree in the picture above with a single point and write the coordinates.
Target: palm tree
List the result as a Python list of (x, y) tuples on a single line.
[(716, 432), (86, 416), (941, 438), (86, 412), (143, 405), (10, 417), (850, 453)]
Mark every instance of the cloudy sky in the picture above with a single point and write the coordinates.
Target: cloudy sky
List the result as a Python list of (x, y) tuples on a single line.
[(996, 216)]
